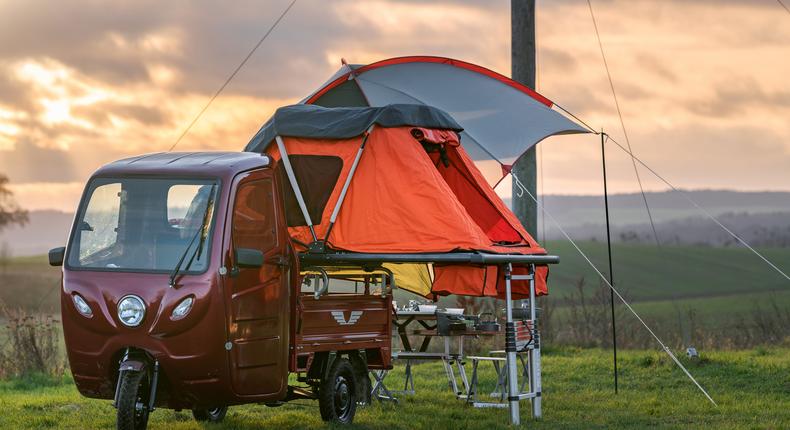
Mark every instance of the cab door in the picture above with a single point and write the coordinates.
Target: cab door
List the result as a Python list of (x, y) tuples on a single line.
[(258, 298)]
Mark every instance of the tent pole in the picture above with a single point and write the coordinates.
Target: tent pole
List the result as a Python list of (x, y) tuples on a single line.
[(609, 249), (292, 179), (510, 348), (347, 183)]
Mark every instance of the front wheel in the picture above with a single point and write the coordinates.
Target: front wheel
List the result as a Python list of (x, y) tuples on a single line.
[(212, 415), (133, 401), (337, 394)]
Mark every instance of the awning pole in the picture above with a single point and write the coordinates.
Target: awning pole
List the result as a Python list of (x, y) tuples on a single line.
[(510, 348), (347, 183), (292, 179), (609, 249)]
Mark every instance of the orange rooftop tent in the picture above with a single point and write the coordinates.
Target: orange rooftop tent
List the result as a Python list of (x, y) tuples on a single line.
[(394, 180)]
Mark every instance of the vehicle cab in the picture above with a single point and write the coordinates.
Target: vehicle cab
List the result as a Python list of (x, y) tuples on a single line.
[(180, 262)]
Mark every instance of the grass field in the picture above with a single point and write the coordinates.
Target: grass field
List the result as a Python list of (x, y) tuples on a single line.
[(648, 273), (752, 389)]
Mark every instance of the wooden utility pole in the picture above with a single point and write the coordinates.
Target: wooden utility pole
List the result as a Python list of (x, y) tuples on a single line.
[(522, 65)]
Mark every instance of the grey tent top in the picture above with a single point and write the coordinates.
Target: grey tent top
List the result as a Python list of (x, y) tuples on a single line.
[(311, 121)]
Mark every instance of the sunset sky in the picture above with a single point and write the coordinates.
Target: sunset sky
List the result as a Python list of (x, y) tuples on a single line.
[(704, 85)]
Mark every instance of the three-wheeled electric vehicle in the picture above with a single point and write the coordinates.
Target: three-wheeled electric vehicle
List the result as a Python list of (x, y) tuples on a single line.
[(181, 290), (187, 276)]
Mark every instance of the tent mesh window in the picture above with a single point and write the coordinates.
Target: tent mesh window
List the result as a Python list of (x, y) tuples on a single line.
[(317, 176)]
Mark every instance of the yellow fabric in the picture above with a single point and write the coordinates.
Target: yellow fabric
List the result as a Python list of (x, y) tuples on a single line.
[(415, 278)]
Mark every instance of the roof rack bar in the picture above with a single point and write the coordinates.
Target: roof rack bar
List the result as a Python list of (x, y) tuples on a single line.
[(292, 179), (341, 258), (348, 182)]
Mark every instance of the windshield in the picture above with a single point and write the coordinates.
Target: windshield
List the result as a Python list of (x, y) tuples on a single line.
[(135, 224)]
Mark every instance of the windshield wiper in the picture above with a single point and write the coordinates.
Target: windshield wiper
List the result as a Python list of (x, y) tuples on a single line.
[(199, 233)]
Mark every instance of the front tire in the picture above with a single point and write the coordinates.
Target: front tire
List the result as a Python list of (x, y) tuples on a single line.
[(337, 394), (212, 415), (133, 401)]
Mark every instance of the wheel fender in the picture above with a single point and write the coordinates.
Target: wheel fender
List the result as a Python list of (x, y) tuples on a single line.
[(359, 363)]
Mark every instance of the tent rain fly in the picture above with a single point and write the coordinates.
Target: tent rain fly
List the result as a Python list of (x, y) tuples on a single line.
[(449, 206)]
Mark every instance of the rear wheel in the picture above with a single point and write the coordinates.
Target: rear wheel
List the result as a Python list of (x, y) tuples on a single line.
[(337, 394), (212, 415), (133, 401)]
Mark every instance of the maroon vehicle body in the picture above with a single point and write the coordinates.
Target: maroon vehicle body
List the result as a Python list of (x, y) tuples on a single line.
[(248, 328)]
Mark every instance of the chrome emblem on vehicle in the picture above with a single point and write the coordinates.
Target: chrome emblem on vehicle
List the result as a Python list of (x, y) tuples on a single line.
[(341, 319)]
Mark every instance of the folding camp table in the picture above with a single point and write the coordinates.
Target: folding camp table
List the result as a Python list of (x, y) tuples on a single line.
[(505, 261), (449, 356)]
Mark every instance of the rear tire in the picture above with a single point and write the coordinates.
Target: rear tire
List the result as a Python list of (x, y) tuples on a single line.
[(337, 394), (212, 415), (133, 401)]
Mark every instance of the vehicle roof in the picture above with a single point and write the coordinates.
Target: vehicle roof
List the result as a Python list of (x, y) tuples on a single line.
[(215, 163)]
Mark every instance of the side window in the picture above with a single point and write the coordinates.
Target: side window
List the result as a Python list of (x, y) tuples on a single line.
[(254, 222), (99, 231)]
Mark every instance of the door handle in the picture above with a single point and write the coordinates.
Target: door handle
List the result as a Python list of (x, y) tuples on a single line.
[(278, 260)]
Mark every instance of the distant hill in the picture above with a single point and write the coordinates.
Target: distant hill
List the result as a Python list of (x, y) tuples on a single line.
[(575, 210), (757, 229), (759, 216)]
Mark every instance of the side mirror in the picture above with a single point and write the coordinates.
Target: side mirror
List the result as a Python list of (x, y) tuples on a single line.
[(250, 258), (56, 256)]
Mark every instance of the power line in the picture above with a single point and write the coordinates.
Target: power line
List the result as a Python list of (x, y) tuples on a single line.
[(783, 5), (622, 123), (232, 75)]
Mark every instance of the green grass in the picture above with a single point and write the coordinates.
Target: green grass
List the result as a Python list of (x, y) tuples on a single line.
[(647, 272), (30, 283), (752, 389)]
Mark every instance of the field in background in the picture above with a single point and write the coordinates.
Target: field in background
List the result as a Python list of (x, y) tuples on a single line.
[(687, 292), (751, 388), (646, 272)]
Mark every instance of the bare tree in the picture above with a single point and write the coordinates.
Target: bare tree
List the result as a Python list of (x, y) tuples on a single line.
[(10, 212)]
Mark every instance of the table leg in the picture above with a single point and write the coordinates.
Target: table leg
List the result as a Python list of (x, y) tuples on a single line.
[(404, 338), (378, 387), (448, 369)]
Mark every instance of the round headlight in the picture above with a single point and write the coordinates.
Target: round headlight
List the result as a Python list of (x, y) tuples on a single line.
[(182, 309), (131, 311), (81, 305)]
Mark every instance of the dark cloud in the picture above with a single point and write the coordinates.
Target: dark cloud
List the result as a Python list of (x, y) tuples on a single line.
[(99, 113), (655, 66), (559, 61), (738, 96), (14, 93), (214, 37)]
